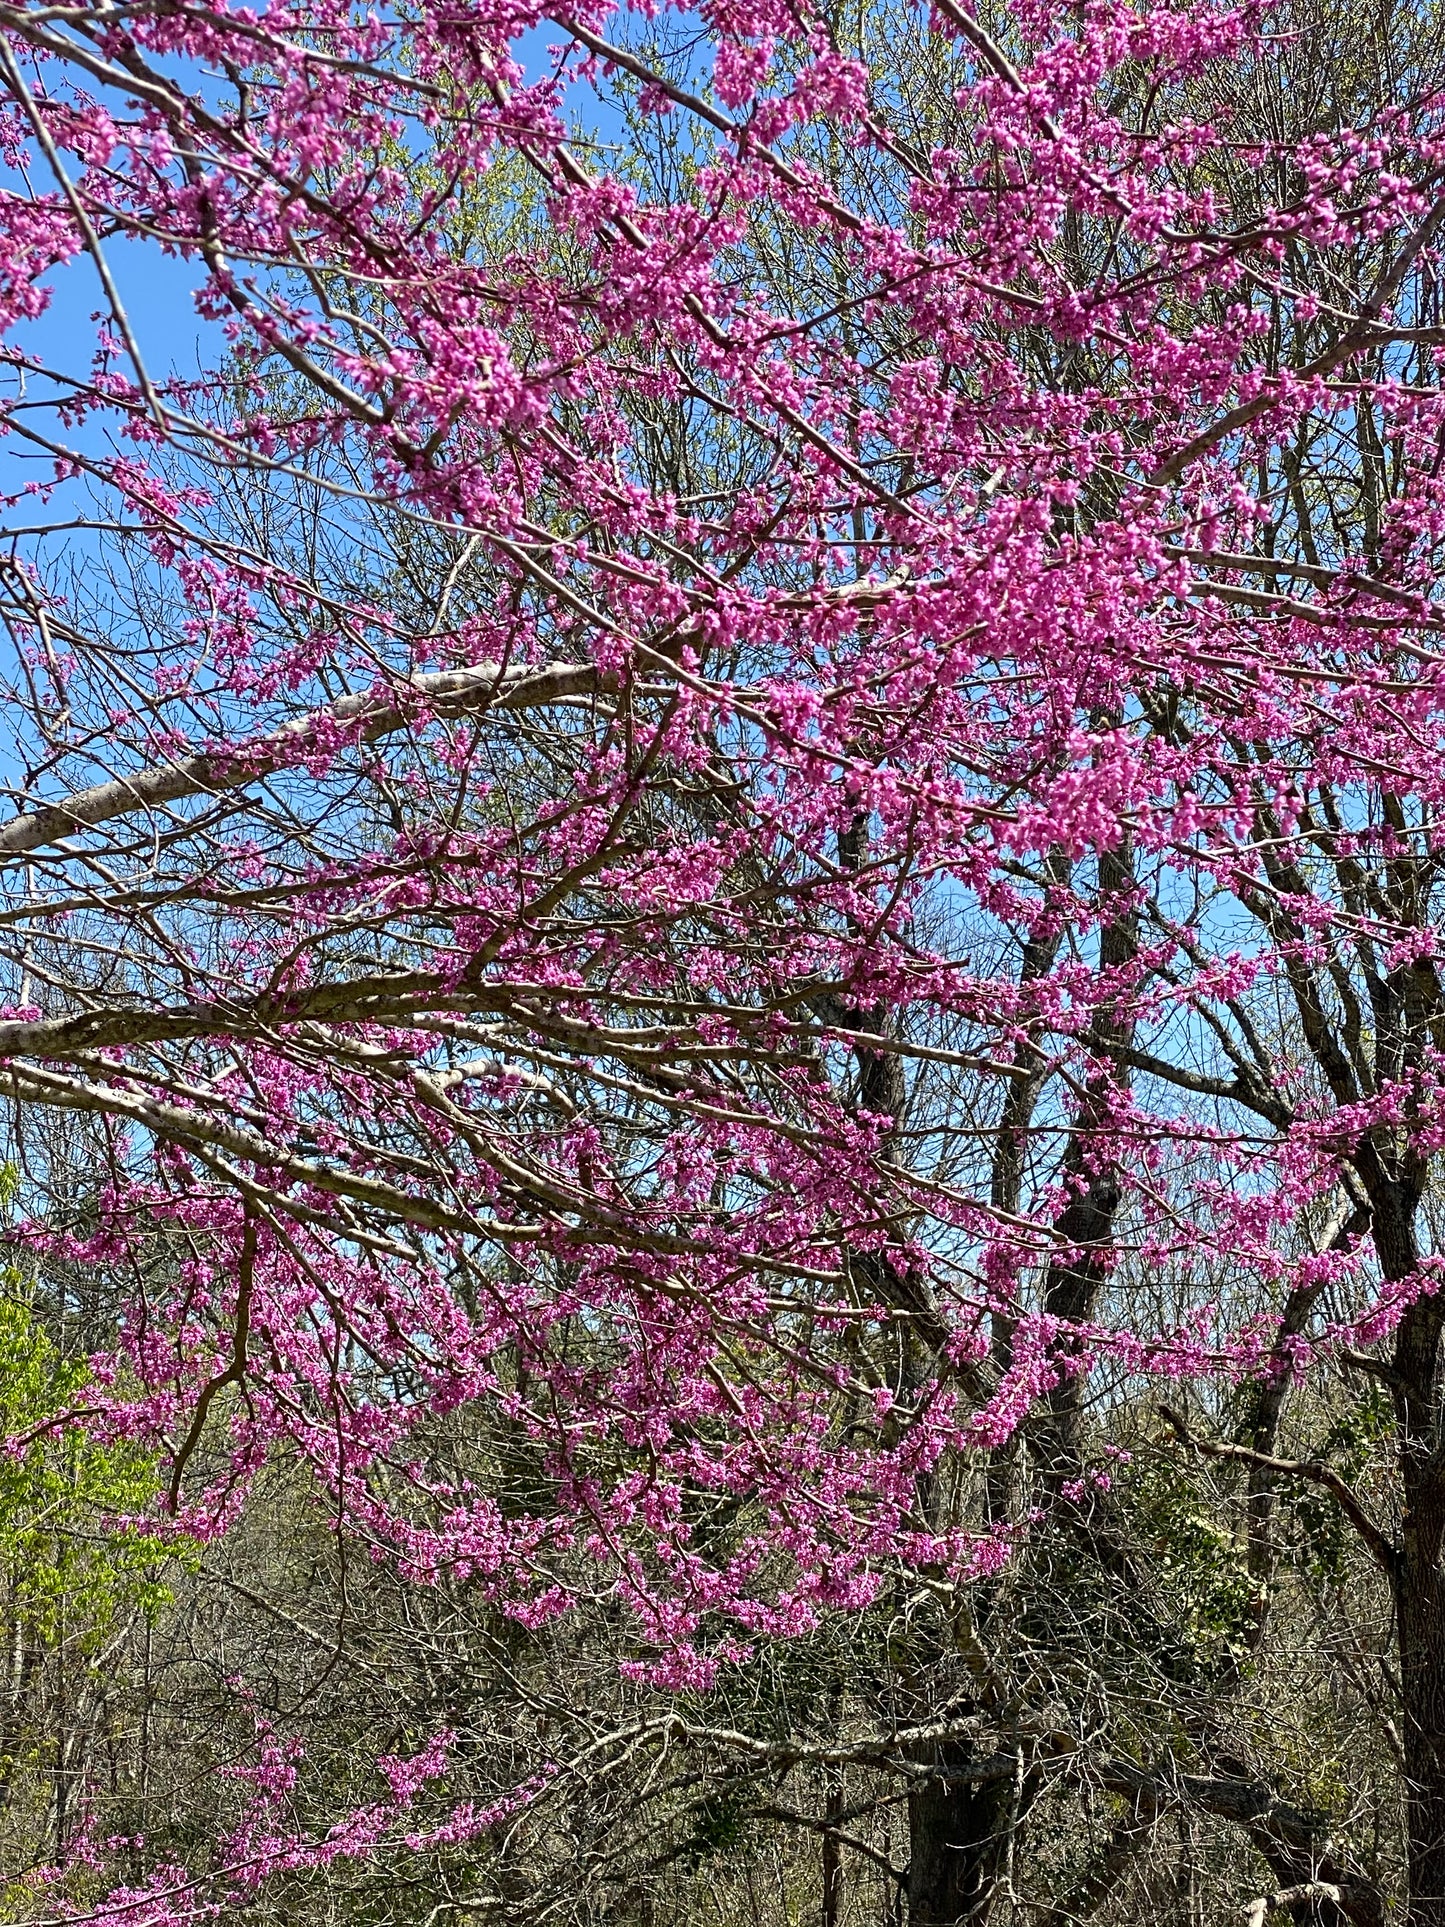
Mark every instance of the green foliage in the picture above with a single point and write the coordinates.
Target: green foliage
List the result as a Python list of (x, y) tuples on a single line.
[(1203, 1567), (1321, 1540), (720, 1823), (69, 1561)]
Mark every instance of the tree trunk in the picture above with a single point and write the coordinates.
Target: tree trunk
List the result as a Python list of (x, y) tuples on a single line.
[(1420, 1598), (958, 1841), (1420, 1606), (834, 1891)]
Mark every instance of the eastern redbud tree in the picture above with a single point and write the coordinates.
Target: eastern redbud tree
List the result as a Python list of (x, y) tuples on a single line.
[(744, 774)]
